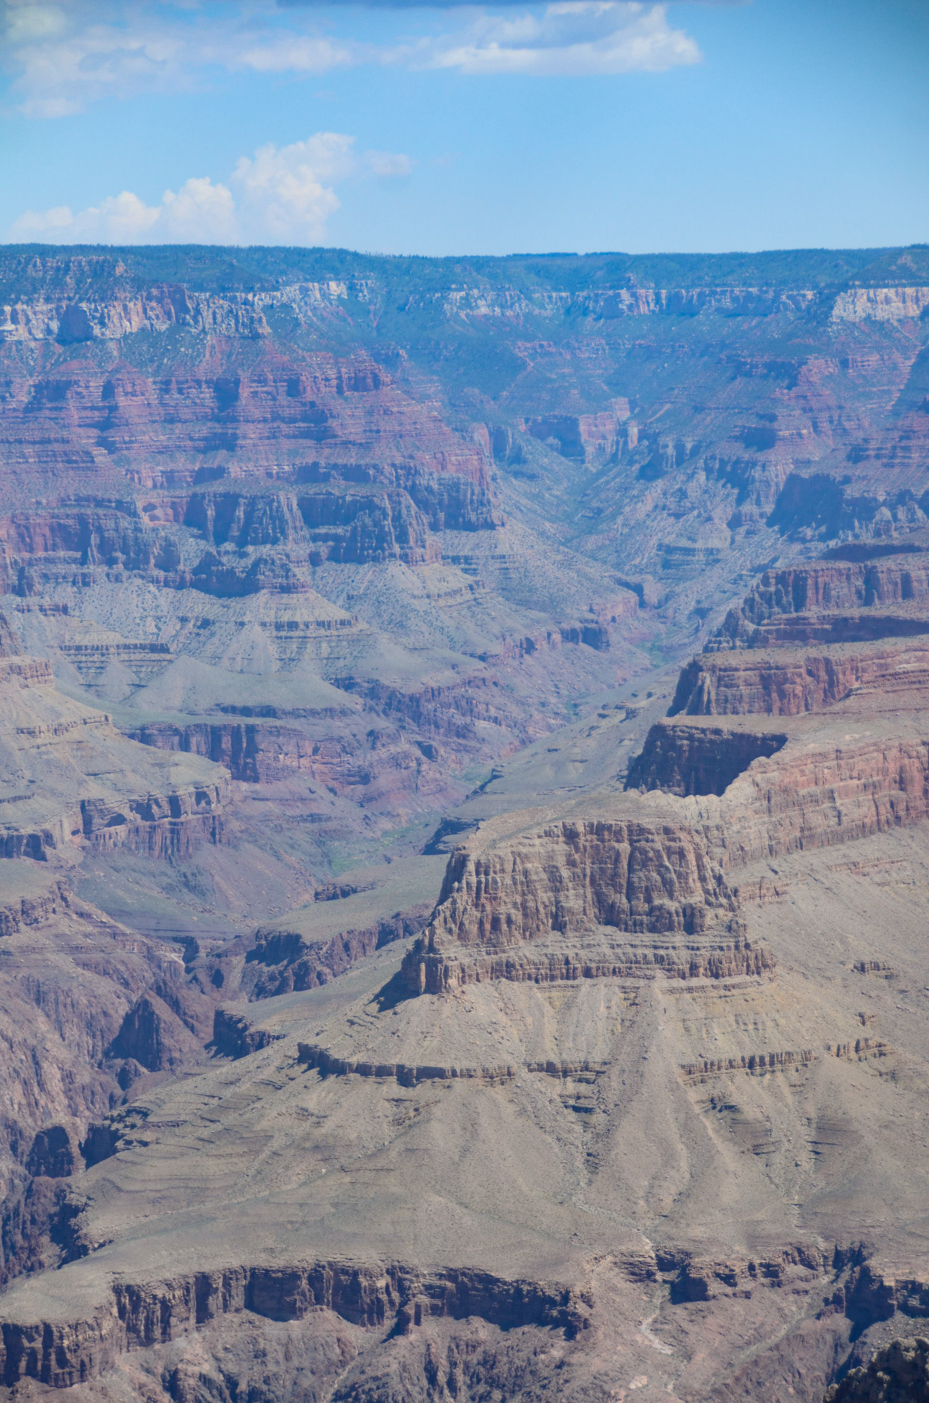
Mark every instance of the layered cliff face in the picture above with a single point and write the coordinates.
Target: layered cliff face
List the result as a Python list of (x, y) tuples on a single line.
[(307, 570), (319, 419), (792, 682), (73, 781), (832, 601), (612, 874), (848, 755), (573, 901)]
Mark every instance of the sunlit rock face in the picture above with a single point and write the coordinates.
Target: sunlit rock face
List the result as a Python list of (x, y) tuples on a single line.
[(463, 826)]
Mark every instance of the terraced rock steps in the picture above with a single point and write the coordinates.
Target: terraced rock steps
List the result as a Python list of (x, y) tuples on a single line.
[(73, 780)]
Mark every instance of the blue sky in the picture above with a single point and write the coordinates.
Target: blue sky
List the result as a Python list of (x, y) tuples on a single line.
[(579, 125)]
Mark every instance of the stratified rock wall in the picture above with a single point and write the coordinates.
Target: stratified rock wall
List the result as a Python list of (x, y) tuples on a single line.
[(822, 602), (630, 875), (685, 760), (792, 684)]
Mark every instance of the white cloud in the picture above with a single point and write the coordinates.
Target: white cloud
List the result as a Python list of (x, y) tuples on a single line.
[(283, 190), (293, 54), (200, 212), (27, 23), (64, 55), (572, 37), (387, 163), (278, 195)]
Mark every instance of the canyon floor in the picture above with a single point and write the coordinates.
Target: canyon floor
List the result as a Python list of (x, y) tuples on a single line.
[(465, 826)]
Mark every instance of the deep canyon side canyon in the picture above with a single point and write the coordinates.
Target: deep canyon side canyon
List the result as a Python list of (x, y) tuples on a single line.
[(465, 827)]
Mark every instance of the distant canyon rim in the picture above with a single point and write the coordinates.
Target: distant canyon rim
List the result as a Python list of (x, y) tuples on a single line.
[(465, 826)]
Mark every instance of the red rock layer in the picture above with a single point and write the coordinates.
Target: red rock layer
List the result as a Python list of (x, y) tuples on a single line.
[(321, 420), (786, 606), (741, 684), (814, 797), (634, 876)]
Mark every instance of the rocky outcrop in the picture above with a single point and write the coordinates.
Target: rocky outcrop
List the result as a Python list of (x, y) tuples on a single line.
[(329, 1065), (587, 438), (434, 967), (823, 602), (34, 909), (682, 759), (741, 684), (283, 961), (810, 796), (158, 825), (231, 543), (897, 1374), (539, 908), (61, 1354), (883, 304), (153, 1036), (574, 875), (55, 1153), (233, 1035), (364, 758)]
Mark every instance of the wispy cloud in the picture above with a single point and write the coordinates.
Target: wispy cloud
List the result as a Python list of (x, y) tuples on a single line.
[(277, 195), (571, 37), (64, 54)]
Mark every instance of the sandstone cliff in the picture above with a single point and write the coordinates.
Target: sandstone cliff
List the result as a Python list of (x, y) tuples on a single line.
[(822, 602), (791, 682)]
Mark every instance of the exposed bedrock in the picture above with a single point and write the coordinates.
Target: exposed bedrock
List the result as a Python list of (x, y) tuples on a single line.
[(365, 764), (337, 523), (282, 961), (86, 1009), (71, 779), (442, 710), (899, 1373), (434, 968), (168, 825), (813, 796), (407, 1332), (682, 759), (503, 913), (156, 825), (587, 438), (152, 1035), (175, 540), (233, 1036), (62, 1354), (34, 909), (317, 419), (576, 874), (786, 793), (823, 602), (740, 684)]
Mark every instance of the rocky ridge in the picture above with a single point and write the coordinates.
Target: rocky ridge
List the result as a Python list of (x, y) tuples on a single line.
[(772, 1086), (617, 1108)]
